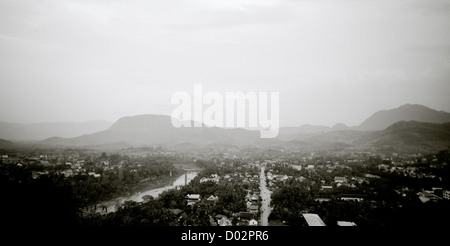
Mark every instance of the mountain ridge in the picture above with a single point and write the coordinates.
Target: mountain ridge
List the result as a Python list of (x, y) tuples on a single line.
[(152, 130), (384, 118), (38, 131)]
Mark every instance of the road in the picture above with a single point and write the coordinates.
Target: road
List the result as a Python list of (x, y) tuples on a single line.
[(265, 196)]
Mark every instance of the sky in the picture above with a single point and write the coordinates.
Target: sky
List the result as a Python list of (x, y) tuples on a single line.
[(331, 61)]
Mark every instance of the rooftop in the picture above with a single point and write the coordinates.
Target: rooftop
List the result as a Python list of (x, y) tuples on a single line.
[(313, 220)]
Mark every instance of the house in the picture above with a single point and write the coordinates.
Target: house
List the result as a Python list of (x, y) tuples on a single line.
[(310, 167), (383, 167), (95, 175), (253, 222), (340, 180), (313, 219), (368, 175), (248, 197), (346, 223), (446, 194), (67, 173), (248, 204), (36, 174), (301, 178), (269, 175), (224, 221), (349, 198), (246, 215), (280, 177), (253, 209), (214, 179), (426, 196), (297, 167), (322, 199), (254, 198), (212, 198), (326, 187), (192, 198)]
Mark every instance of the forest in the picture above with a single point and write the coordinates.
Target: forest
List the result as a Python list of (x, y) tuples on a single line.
[(55, 199)]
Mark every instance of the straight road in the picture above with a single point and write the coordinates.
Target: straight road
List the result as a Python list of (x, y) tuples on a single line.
[(265, 196)]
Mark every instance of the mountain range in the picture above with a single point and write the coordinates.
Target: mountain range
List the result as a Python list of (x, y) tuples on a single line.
[(408, 128), (144, 130), (40, 131)]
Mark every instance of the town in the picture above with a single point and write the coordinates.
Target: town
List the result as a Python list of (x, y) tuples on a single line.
[(300, 188)]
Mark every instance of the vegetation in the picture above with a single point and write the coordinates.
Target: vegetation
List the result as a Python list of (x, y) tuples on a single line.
[(37, 189), (388, 200)]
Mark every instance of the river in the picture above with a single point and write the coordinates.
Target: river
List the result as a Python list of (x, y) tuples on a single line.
[(137, 197)]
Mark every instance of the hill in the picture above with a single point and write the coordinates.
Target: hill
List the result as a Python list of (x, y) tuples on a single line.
[(408, 112), (5, 143), (306, 131), (401, 137), (157, 130), (40, 131), (147, 130), (409, 136)]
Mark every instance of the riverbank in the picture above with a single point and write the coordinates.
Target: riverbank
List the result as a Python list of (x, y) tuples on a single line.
[(150, 188), (157, 183)]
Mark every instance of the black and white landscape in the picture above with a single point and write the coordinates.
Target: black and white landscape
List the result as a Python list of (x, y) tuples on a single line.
[(357, 91)]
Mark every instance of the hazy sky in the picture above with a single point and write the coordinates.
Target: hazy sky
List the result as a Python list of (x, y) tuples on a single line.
[(331, 61)]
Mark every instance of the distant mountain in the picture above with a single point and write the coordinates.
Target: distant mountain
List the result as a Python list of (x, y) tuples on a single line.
[(402, 136), (408, 112), (375, 133), (306, 131), (409, 136), (339, 127), (40, 131), (156, 130), (343, 136), (5, 143)]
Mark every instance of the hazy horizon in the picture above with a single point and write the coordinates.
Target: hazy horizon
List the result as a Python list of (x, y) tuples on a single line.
[(332, 61), (113, 121)]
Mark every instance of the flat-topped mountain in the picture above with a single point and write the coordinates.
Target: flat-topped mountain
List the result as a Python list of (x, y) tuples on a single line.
[(156, 130)]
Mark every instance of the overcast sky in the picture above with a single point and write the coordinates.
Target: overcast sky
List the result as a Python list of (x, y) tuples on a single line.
[(331, 61)]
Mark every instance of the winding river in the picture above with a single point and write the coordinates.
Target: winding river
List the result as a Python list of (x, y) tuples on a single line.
[(137, 197)]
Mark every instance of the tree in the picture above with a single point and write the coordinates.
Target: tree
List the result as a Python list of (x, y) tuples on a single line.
[(147, 198)]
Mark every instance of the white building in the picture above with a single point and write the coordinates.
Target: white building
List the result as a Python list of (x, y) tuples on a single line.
[(346, 223), (313, 220)]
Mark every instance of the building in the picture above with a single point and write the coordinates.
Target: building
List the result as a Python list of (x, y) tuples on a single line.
[(253, 209), (346, 223), (192, 198), (313, 219), (224, 221), (352, 198), (426, 196), (213, 198), (340, 180), (253, 222), (254, 198), (446, 194), (326, 187), (246, 216)]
